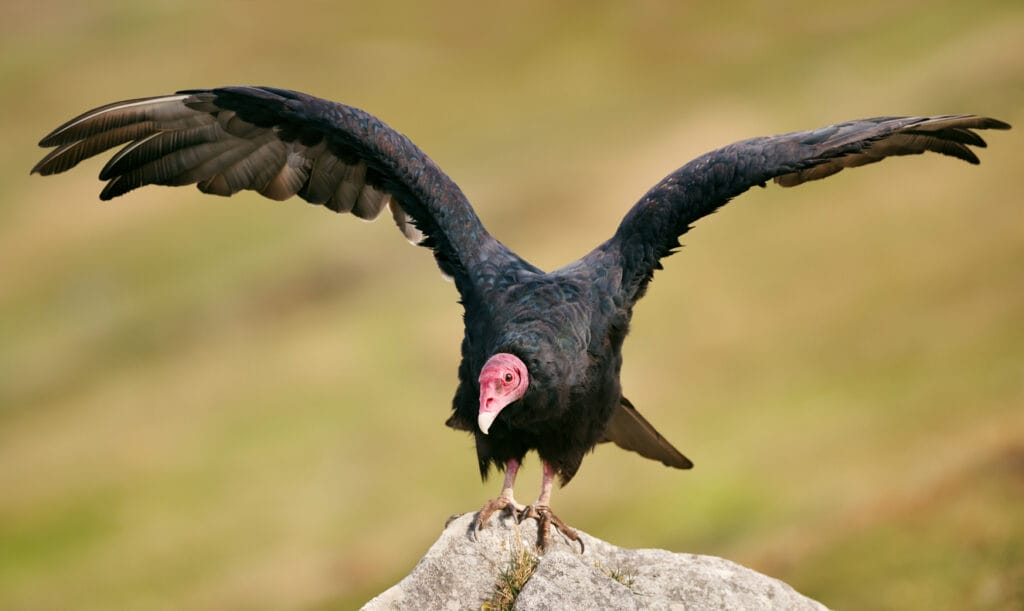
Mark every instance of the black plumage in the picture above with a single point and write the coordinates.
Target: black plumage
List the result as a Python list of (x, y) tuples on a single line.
[(564, 327)]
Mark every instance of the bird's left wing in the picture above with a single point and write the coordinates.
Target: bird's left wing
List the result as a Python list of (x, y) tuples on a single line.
[(651, 229), (280, 143)]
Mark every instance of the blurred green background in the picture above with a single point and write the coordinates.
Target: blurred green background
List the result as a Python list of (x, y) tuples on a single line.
[(238, 404)]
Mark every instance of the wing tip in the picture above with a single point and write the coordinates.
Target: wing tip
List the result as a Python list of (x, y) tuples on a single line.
[(990, 123)]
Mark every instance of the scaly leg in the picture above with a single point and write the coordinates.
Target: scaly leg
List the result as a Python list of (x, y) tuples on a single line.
[(541, 511), (505, 501)]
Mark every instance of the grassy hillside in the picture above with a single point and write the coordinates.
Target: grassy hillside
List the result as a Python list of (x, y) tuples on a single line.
[(237, 404)]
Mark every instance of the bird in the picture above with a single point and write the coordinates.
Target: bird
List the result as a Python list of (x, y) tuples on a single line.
[(541, 352)]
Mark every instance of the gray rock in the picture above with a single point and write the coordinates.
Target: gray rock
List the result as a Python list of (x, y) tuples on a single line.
[(460, 573)]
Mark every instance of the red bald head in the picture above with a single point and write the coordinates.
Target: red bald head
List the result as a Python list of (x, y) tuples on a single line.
[(502, 380)]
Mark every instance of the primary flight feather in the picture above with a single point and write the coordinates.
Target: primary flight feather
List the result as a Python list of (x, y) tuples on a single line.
[(541, 352)]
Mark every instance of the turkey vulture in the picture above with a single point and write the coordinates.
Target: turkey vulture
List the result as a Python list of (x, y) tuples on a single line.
[(541, 352)]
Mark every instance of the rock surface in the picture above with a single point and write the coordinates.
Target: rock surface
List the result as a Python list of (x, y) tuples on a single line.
[(460, 573)]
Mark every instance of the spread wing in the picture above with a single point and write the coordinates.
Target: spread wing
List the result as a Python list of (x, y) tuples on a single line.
[(279, 143), (651, 229)]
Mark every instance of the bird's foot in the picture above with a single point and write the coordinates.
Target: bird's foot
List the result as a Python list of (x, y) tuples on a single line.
[(545, 520), (502, 503)]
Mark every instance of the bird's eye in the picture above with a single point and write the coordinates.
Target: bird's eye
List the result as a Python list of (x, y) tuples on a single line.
[(508, 378)]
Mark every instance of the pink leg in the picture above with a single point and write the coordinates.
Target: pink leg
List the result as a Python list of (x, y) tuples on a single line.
[(546, 483), (511, 470), (505, 500), (541, 511)]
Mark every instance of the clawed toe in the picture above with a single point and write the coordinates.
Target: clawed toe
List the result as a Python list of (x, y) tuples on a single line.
[(542, 513), (545, 520), (506, 504)]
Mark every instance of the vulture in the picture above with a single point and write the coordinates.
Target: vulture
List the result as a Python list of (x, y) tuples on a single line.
[(542, 351)]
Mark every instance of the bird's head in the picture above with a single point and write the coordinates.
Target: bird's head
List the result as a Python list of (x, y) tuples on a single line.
[(503, 380)]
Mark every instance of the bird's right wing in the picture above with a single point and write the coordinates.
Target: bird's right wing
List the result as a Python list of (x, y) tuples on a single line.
[(280, 143), (651, 229)]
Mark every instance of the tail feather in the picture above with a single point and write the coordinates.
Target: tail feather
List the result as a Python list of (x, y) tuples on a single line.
[(631, 431)]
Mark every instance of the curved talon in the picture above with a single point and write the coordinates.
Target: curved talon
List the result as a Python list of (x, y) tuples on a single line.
[(545, 519), (501, 503), (542, 513)]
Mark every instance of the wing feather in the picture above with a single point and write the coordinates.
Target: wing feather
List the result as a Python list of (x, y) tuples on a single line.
[(280, 143), (353, 177), (651, 229)]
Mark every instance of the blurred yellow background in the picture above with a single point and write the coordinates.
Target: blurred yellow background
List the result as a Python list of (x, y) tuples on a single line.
[(238, 404)]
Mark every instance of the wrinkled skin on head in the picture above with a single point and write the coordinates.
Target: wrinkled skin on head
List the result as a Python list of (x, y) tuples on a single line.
[(503, 380)]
